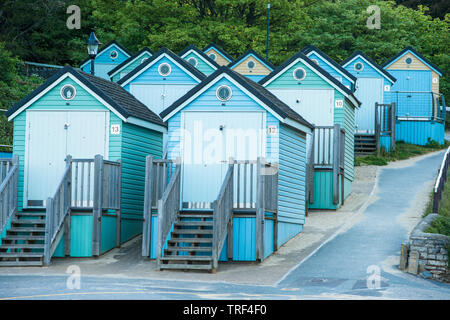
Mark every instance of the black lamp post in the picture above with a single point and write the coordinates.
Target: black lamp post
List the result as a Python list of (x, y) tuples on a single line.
[(92, 47)]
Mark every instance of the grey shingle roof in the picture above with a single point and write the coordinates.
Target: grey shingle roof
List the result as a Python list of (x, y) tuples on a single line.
[(120, 99)]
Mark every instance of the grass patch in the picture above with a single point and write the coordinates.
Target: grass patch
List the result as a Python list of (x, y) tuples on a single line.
[(441, 224), (402, 151)]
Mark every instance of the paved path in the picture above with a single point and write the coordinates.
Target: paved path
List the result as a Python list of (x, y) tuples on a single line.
[(337, 269)]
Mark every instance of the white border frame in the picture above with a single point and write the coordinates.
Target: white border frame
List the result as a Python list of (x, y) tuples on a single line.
[(115, 52), (195, 59), (295, 77), (224, 86), (62, 95), (354, 66), (164, 64)]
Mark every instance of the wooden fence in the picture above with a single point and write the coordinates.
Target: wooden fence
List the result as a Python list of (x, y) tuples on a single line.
[(440, 181), (157, 176), (9, 175), (168, 207), (86, 184)]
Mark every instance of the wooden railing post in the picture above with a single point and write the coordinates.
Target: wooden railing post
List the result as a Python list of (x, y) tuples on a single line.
[(336, 162), (48, 230), (260, 209), (393, 117), (68, 201), (119, 209), (377, 127), (98, 201), (148, 198)]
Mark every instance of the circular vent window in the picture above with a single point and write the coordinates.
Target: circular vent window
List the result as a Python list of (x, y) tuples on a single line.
[(299, 74), (359, 66), (315, 61), (68, 92), (251, 64), (212, 56), (408, 60), (164, 69), (143, 59), (223, 93), (192, 61), (113, 54)]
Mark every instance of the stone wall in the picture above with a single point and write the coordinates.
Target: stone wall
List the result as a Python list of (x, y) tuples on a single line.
[(427, 253)]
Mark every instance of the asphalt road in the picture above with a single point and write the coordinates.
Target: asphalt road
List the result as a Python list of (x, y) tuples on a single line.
[(359, 263)]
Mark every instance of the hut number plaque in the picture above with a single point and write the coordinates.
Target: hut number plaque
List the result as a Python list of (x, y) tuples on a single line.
[(339, 103), (115, 129), (272, 130)]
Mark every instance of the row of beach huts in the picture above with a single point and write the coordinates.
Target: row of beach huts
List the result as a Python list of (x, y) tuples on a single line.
[(209, 157)]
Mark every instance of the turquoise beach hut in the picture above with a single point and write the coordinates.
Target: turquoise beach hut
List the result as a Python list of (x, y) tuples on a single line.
[(64, 207), (128, 65), (199, 59), (327, 103)]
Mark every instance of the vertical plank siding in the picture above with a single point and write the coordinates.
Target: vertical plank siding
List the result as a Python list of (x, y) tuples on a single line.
[(137, 143), (292, 182)]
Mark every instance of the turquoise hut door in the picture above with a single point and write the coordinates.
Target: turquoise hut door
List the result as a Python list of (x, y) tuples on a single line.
[(368, 91), (52, 135), (209, 140)]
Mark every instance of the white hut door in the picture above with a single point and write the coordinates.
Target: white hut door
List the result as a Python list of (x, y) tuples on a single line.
[(51, 137), (368, 91), (210, 139)]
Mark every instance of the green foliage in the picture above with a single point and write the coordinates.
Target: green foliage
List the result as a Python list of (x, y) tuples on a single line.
[(12, 88), (441, 224), (402, 151)]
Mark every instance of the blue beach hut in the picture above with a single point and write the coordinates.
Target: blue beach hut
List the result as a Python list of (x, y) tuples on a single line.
[(90, 202), (161, 80), (240, 177), (371, 86), (329, 65), (128, 65), (420, 115), (108, 57)]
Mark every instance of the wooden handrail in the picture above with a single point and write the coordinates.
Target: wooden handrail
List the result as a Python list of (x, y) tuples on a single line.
[(223, 211), (57, 212), (8, 192), (157, 176), (168, 207), (440, 181)]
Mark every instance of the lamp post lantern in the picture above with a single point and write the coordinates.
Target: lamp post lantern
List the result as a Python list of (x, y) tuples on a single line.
[(92, 47)]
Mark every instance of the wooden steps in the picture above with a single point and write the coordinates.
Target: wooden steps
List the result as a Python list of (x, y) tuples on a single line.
[(190, 244), (23, 244), (365, 144)]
